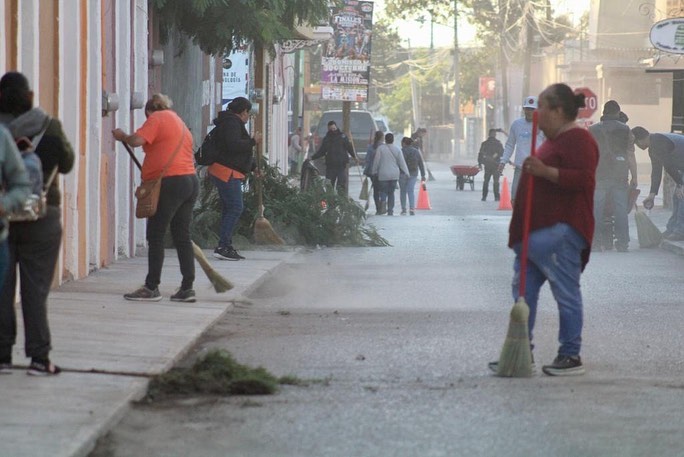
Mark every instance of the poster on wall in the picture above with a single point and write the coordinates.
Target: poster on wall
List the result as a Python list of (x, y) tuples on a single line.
[(345, 62), (235, 76)]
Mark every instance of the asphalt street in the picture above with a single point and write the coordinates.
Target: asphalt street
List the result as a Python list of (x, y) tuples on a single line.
[(401, 337)]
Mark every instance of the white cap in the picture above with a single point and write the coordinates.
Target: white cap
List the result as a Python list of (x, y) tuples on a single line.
[(530, 102)]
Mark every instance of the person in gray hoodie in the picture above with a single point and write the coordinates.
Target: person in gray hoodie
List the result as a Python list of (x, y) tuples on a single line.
[(388, 164), (33, 245)]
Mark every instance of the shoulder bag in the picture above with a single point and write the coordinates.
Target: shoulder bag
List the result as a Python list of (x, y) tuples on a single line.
[(147, 193)]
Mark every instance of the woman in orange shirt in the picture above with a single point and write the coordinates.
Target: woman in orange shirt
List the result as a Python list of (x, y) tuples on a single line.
[(161, 136), (229, 170)]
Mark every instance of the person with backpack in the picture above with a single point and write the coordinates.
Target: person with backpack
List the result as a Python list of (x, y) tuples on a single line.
[(407, 182), (34, 246), (491, 151), (616, 161), (234, 162), (336, 148)]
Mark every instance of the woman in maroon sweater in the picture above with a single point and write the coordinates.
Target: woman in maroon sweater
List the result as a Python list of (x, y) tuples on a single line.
[(562, 222)]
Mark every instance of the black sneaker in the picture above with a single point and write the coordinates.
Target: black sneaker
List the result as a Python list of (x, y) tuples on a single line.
[(43, 368), (412, 213), (403, 212), (144, 294), (186, 296), (227, 253), (565, 365)]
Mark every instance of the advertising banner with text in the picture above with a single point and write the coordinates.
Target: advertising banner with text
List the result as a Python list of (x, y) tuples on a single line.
[(345, 65)]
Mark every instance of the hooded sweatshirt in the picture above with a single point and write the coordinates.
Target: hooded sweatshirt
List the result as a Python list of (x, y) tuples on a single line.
[(54, 149)]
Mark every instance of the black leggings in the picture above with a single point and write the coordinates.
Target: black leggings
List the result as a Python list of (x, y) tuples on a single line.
[(176, 200)]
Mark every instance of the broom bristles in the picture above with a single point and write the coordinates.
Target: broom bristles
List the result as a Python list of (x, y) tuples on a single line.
[(264, 233), (648, 233), (220, 283), (515, 360)]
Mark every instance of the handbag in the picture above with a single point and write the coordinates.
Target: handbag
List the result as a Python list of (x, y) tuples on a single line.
[(35, 205), (147, 193)]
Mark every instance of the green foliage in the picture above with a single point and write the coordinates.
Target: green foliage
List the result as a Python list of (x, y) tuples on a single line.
[(218, 26), (215, 373), (299, 217)]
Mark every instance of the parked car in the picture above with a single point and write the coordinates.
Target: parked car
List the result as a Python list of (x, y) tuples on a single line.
[(361, 125)]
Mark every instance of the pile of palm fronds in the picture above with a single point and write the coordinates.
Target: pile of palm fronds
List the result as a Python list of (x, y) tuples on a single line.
[(316, 216)]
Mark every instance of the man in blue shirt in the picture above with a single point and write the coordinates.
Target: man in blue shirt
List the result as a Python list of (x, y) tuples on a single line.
[(666, 150)]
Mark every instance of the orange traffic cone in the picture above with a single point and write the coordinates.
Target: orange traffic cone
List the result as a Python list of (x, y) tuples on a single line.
[(505, 200), (423, 198)]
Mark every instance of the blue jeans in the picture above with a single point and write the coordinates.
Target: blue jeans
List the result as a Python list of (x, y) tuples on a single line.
[(676, 222), (407, 186), (387, 193), (618, 194), (554, 255), (231, 198)]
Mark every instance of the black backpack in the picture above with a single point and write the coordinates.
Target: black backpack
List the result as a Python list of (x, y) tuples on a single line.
[(210, 151)]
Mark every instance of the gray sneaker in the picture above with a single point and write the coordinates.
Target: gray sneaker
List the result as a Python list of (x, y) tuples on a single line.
[(144, 294), (565, 365), (186, 296)]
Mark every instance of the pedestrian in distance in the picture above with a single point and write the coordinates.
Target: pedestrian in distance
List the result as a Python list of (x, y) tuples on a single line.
[(519, 142), (388, 164), (666, 150), (167, 144), (489, 157), (296, 152), (230, 170), (407, 182), (378, 139), (616, 162), (34, 246), (562, 220), (336, 148)]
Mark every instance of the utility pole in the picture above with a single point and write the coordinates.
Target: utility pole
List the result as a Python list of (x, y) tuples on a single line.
[(457, 88), (529, 35)]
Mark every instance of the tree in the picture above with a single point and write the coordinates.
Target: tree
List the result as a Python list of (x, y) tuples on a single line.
[(218, 26)]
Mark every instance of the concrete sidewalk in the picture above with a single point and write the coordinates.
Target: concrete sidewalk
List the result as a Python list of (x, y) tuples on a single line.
[(94, 328)]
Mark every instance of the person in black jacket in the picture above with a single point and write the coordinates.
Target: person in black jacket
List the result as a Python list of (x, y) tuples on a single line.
[(34, 245), (491, 151), (335, 147), (229, 171)]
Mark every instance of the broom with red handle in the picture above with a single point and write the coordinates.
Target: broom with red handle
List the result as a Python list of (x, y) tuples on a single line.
[(516, 355)]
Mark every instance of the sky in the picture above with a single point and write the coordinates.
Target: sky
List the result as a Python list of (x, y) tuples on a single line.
[(443, 36)]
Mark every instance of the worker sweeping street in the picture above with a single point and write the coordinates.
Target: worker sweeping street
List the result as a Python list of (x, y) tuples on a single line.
[(561, 222)]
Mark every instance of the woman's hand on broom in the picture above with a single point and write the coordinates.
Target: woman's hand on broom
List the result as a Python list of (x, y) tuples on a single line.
[(535, 167)]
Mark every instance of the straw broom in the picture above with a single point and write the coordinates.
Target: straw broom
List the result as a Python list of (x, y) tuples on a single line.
[(516, 356), (263, 232), (220, 283), (649, 235)]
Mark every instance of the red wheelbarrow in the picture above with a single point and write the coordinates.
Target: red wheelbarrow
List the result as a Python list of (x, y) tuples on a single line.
[(465, 174)]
